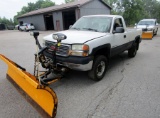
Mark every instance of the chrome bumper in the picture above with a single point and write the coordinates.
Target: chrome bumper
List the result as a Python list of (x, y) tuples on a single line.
[(80, 67)]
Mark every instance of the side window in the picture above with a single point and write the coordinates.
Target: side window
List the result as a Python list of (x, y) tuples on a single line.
[(117, 23)]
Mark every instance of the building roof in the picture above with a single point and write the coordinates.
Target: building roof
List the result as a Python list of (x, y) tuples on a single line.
[(60, 7)]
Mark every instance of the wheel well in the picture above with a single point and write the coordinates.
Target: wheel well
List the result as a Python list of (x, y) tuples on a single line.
[(137, 40), (103, 51)]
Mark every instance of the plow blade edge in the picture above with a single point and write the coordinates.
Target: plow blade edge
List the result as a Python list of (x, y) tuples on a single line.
[(147, 35), (42, 98)]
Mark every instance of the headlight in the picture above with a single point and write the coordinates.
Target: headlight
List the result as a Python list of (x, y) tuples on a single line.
[(79, 50), (77, 47)]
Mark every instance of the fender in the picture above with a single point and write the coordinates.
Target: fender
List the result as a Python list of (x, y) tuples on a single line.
[(103, 49), (137, 39)]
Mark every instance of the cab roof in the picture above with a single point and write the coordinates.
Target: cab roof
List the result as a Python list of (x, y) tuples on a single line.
[(113, 16), (148, 20)]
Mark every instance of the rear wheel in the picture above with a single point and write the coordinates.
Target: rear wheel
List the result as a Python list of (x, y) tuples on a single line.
[(99, 68), (156, 31), (133, 50)]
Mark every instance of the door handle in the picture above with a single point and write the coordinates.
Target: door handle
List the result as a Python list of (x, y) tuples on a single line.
[(125, 36)]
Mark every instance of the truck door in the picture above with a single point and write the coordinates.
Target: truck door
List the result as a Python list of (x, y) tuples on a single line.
[(119, 39)]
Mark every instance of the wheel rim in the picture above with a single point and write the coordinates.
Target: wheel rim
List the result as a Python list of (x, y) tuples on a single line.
[(101, 68), (135, 51)]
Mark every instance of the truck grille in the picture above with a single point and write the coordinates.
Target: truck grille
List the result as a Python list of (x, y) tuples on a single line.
[(63, 50), (144, 29)]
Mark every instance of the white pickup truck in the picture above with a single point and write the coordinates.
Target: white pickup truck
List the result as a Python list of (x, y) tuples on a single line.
[(149, 24), (92, 41)]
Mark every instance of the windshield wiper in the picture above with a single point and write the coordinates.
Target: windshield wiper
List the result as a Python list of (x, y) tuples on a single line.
[(90, 29), (75, 28)]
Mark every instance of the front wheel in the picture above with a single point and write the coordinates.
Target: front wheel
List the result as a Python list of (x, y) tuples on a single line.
[(133, 50), (99, 68)]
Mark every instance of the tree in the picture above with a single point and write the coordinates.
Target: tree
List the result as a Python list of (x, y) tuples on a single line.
[(110, 2), (68, 1), (6, 21), (133, 11), (114, 4), (152, 8), (48, 3), (33, 6)]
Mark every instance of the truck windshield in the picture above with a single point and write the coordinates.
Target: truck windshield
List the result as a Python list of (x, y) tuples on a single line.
[(95, 24), (146, 23)]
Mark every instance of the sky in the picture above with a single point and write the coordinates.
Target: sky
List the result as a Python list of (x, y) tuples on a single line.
[(9, 8)]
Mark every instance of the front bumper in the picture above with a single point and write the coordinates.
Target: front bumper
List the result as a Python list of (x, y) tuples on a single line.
[(73, 62), (76, 63), (80, 67), (30, 28)]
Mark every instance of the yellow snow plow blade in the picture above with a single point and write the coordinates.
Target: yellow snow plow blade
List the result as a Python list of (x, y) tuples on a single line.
[(147, 35), (43, 98)]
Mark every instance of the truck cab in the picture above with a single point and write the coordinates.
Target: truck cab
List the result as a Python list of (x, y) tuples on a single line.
[(92, 41)]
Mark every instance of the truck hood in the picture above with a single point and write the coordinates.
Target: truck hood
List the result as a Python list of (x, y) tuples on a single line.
[(74, 36), (144, 26)]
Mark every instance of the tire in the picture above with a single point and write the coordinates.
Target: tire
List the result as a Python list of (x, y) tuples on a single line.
[(99, 68), (156, 31), (133, 50)]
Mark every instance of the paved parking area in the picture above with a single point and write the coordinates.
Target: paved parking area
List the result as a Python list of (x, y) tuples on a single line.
[(130, 88)]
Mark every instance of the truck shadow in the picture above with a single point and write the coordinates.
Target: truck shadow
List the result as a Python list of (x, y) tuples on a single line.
[(81, 78), (80, 91)]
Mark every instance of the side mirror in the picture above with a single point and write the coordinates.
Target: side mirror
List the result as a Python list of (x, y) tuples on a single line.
[(119, 30), (59, 37)]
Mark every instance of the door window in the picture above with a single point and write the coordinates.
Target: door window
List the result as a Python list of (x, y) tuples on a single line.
[(117, 23)]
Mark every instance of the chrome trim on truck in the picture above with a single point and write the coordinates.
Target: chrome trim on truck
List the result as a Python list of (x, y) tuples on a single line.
[(81, 67)]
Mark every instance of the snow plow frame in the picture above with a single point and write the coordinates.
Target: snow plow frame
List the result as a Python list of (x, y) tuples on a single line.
[(41, 97), (35, 88)]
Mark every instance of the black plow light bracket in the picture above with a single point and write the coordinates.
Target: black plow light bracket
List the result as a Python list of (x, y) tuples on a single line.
[(34, 33)]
